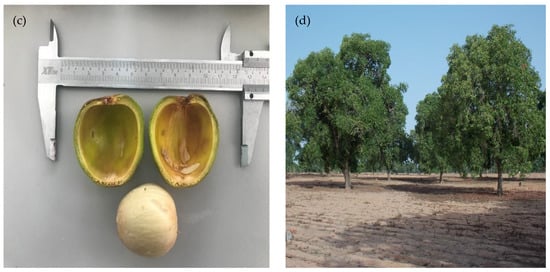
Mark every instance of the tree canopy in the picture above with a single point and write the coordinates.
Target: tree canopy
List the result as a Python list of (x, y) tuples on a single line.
[(344, 101), (489, 102), (429, 136)]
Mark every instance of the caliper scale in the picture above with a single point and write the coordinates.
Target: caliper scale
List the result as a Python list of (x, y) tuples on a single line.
[(247, 73)]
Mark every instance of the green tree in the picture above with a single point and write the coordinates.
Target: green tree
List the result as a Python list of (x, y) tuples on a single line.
[(369, 60), (314, 89), (389, 137), (489, 99), (338, 98), (407, 154), (293, 141), (430, 139), (311, 157)]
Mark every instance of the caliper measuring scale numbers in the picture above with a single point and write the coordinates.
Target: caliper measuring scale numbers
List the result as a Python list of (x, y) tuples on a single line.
[(247, 73)]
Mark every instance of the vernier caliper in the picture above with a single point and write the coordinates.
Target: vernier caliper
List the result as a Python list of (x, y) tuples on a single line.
[(247, 73)]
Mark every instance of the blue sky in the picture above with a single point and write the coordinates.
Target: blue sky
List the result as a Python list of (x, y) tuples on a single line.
[(420, 37)]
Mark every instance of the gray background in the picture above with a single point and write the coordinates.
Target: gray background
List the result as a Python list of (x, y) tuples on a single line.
[(54, 215)]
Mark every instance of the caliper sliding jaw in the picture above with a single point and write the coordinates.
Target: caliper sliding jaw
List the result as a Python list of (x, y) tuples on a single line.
[(253, 94)]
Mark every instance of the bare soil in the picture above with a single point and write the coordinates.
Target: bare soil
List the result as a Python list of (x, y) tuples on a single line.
[(414, 221)]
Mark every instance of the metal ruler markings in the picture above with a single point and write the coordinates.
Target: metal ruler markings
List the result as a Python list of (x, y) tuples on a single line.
[(151, 74)]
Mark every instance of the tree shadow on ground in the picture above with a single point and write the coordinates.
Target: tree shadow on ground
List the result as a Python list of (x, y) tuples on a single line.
[(441, 189), (356, 185), (512, 235), (455, 193), (427, 187), (317, 183), (412, 178)]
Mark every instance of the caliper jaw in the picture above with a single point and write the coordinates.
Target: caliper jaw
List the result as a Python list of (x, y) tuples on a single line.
[(47, 94), (253, 101), (254, 96)]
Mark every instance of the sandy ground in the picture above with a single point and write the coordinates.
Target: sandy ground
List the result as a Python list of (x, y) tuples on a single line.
[(414, 221)]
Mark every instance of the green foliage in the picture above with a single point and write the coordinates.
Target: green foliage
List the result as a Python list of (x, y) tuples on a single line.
[(366, 58), (330, 107), (488, 113), (390, 134), (293, 140), (369, 60), (344, 103), (490, 101), (430, 137)]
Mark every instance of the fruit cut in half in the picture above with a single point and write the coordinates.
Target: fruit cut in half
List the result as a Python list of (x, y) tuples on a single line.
[(184, 139), (147, 221), (108, 139)]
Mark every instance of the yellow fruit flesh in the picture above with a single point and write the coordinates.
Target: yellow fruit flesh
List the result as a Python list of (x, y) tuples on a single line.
[(109, 141), (184, 139)]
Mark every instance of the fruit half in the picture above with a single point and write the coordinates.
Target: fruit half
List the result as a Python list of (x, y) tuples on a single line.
[(184, 139), (108, 139)]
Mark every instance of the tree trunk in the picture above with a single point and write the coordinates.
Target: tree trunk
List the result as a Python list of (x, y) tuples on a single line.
[(389, 174), (499, 182), (347, 178), (441, 176), (326, 168)]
